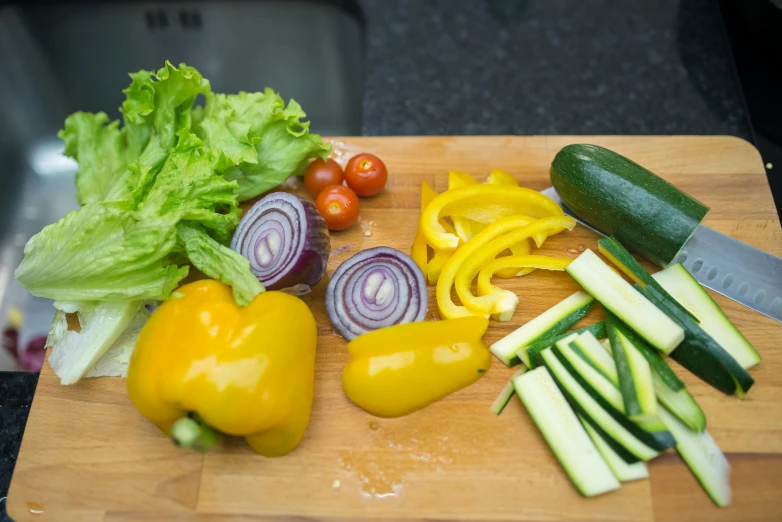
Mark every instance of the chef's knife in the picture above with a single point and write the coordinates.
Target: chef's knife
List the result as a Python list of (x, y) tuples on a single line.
[(730, 267)]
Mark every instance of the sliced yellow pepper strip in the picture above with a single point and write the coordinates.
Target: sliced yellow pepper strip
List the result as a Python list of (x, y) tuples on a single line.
[(500, 177), (465, 228), (522, 249), (515, 262), (419, 251), (485, 204), (505, 301)]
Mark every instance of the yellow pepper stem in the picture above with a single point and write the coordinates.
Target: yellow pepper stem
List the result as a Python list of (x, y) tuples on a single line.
[(190, 432)]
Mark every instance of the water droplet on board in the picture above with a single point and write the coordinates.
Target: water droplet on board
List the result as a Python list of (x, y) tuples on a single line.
[(374, 426), (35, 508), (573, 252)]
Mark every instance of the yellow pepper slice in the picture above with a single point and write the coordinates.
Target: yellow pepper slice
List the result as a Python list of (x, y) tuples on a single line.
[(485, 204), (419, 251), (465, 228), (485, 287), (396, 370), (448, 309), (500, 177), (503, 302)]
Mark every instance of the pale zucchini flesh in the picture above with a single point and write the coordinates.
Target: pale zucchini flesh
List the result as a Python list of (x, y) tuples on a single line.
[(703, 457), (623, 471), (635, 375), (586, 405), (650, 431), (564, 433), (506, 394), (533, 349), (550, 323), (624, 301), (678, 282), (674, 397)]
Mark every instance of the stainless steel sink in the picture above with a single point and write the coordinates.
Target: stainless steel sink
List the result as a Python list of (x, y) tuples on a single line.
[(56, 58)]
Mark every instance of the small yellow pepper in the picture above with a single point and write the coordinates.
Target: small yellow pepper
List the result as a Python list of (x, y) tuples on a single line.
[(397, 370), (485, 204), (202, 363), (502, 302)]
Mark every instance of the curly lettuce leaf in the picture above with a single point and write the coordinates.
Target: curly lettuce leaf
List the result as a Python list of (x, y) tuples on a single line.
[(101, 252), (264, 141), (98, 147), (219, 262), (159, 105), (189, 188)]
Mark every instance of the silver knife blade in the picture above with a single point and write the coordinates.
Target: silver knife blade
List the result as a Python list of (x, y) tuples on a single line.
[(728, 266)]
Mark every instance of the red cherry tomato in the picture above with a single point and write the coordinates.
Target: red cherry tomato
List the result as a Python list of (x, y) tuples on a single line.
[(366, 174), (338, 205), (321, 174)]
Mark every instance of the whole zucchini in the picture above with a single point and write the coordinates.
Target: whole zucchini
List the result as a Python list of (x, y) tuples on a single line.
[(621, 198)]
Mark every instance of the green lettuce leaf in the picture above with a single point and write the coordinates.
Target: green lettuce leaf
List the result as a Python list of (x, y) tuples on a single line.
[(101, 252), (159, 105), (219, 262), (264, 141), (98, 147)]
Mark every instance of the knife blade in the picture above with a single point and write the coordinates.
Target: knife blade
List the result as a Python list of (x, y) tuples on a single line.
[(726, 265)]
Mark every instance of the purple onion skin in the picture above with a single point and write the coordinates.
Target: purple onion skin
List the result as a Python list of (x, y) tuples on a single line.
[(353, 312), (299, 232)]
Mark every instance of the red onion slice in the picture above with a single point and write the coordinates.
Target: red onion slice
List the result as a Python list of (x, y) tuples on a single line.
[(373, 289), (285, 239)]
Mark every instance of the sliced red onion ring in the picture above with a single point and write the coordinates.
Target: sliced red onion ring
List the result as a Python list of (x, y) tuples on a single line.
[(286, 240), (373, 289)]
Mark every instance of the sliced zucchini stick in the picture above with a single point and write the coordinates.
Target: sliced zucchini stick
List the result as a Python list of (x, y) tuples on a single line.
[(564, 433)]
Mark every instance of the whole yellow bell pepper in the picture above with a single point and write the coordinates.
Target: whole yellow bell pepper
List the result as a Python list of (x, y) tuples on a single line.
[(203, 364), (396, 370)]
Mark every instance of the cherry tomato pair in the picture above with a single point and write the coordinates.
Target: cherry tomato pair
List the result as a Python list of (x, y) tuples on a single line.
[(364, 174)]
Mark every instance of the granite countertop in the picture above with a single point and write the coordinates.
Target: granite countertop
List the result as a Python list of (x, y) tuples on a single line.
[(520, 67)]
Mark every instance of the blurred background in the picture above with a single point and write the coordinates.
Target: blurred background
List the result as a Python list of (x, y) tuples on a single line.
[(370, 67)]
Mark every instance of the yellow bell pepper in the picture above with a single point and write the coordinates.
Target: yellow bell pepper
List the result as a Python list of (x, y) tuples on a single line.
[(485, 287), (396, 370), (502, 302), (202, 364), (485, 204), (419, 251), (463, 227), (500, 177), (448, 309)]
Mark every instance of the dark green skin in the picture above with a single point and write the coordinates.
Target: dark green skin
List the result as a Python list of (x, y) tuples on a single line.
[(701, 354), (621, 198), (534, 348)]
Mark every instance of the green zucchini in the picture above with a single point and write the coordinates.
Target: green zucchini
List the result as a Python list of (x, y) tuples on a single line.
[(703, 457), (506, 394), (550, 323), (701, 354), (635, 374), (618, 296), (621, 198), (622, 440), (613, 250), (564, 433), (670, 391), (623, 471), (588, 348), (689, 294), (534, 348), (607, 395)]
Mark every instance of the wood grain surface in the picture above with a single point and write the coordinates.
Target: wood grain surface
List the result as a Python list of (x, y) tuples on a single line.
[(87, 455)]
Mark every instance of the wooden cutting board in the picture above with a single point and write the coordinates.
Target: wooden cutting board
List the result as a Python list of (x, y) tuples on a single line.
[(87, 455)]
